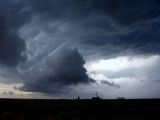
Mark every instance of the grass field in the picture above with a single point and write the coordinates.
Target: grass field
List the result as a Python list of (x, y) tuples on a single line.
[(36, 109)]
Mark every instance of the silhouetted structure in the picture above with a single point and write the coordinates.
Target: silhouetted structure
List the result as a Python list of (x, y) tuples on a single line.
[(120, 98), (96, 97), (78, 98)]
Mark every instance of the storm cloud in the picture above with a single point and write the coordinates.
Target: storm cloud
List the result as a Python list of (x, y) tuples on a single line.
[(48, 42), (12, 47), (61, 69), (106, 28)]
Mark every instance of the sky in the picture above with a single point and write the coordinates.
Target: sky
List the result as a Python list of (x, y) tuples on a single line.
[(64, 49)]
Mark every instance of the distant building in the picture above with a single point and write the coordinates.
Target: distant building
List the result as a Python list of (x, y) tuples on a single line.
[(96, 97), (120, 98)]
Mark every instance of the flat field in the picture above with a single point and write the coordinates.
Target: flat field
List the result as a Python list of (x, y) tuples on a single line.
[(42, 109)]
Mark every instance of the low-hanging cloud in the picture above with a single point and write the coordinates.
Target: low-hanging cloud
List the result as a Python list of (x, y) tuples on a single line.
[(110, 84), (60, 69)]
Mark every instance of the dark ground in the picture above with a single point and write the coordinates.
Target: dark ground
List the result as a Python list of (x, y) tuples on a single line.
[(27, 109)]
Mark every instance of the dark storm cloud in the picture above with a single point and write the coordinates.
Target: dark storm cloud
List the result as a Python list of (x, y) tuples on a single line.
[(64, 69), (98, 28), (122, 11), (132, 25), (12, 17), (138, 25), (106, 27)]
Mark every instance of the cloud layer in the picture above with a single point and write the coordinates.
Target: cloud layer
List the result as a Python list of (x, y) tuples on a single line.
[(47, 42), (12, 46), (63, 67)]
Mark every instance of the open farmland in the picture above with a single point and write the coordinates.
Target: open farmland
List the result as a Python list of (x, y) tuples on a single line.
[(36, 109)]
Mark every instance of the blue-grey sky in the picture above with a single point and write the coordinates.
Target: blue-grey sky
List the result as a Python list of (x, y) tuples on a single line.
[(62, 49)]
